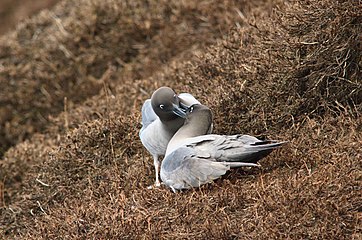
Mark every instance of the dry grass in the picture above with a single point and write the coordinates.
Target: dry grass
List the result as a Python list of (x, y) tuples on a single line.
[(286, 70), (14, 11), (71, 50)]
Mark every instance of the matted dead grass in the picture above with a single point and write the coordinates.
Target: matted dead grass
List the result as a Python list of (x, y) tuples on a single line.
[(71, 51), (292, 73)]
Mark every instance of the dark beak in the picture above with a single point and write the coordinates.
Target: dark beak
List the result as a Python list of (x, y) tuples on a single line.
[(178, 111)]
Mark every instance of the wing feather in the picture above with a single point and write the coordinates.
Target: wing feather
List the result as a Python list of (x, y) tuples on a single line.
[(184, 168), (148, 115)]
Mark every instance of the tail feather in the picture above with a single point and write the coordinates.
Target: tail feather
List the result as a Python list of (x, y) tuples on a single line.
[(250, 153), (240, 164)]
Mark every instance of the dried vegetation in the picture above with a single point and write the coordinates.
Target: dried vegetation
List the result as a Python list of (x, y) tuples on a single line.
[(288, 70)]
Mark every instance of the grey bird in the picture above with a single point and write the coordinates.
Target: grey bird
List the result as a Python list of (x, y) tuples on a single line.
[(193, 158), (162, 116)]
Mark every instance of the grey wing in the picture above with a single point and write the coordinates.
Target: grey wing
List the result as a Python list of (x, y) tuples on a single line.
[(236, 148), (148, 115), (183, 169)]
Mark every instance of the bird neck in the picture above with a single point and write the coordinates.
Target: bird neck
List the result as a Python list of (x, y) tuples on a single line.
[(173, 125), (194, 127)]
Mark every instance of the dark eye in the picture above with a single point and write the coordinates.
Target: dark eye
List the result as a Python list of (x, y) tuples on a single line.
[(191, 109), (162, 106)]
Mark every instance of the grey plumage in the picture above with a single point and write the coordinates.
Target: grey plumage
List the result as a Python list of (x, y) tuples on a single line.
[(148, 115), (162, 116), (185, 168), (193, 160)]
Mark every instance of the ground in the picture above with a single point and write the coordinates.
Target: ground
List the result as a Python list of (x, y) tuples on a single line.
[(14, 11), (73, 81)]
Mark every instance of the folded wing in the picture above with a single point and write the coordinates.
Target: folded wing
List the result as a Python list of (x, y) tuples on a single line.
[(233, 148), (148, 115), (184, 168)]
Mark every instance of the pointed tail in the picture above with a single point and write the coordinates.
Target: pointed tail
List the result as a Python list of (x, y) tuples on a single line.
[(251, 152)]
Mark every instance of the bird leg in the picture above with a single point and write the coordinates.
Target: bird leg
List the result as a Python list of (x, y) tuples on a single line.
[(157, 168), (156, 163)]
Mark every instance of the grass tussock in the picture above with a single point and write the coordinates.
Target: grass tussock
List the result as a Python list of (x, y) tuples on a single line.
[(285, 70)]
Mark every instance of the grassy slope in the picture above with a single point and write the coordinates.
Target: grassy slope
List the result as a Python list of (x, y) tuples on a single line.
[(264, 78), (71, 51)]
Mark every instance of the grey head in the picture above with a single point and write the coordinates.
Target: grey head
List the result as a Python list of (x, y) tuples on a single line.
[(198, 122), (199, 118), (166, 105)]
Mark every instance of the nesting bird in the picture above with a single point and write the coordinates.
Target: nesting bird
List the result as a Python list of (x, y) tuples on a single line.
[(162, 116), (194, 157)]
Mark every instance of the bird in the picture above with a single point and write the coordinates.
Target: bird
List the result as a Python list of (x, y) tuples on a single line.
[(194, 157), (162, 116)]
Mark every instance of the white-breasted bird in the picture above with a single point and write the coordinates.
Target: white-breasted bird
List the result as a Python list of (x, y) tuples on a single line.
[(162, 116)]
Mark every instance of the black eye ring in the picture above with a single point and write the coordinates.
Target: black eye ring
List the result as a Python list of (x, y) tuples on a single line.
[(162, 106)]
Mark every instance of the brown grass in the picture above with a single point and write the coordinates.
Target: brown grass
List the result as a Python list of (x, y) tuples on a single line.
[(285, 70), (71, 50), (14, 11)]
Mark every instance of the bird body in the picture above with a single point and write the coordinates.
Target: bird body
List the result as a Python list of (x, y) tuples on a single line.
[(155, 137), (193, 158), (162, 116)]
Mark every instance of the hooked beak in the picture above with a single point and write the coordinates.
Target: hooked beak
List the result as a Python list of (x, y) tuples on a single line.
[(178, 111)]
